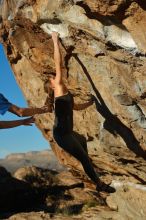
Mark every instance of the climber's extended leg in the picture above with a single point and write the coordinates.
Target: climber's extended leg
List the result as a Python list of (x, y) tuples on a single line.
[(71, 145)]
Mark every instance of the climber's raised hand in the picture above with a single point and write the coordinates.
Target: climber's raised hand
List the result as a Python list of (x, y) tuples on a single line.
[(55, 36)]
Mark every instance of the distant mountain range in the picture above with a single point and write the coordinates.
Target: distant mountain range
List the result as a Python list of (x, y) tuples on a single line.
[(44, 159)]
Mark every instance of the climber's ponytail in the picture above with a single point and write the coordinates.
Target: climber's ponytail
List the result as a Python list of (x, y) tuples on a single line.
[(50, 99)]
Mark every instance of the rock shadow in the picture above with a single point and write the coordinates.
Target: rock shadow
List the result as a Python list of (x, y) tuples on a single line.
[(112, 122), (107, 20), (19, 196), (58, 200)]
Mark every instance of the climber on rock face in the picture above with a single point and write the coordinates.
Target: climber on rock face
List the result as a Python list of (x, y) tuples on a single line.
[(63, 124), (5, 106)]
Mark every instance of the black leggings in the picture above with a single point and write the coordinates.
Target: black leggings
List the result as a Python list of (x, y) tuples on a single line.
[(76, 145)]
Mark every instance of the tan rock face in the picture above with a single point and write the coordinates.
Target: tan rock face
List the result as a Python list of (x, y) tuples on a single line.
[(103, 49), (100, 57)]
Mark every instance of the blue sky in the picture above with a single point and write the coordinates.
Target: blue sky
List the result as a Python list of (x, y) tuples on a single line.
[(23, 138)]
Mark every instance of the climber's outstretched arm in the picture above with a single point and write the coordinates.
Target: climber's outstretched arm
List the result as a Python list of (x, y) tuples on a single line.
[(57, 58), (85, 105), (82, 106), (24, 112)]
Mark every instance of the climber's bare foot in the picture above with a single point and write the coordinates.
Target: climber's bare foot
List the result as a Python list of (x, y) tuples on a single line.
[(55, 36)]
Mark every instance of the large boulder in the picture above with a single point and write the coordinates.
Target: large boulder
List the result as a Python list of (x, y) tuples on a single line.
[(103, 45), (16, 195), (103, 48)]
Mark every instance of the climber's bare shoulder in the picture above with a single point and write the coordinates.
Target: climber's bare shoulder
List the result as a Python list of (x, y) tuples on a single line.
[(60, 89)]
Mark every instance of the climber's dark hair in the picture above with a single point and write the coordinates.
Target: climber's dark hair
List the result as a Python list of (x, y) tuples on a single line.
[(50, 92), (52, 74), (47, 83)]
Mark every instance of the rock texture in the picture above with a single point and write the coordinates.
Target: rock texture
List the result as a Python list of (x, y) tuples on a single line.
[(103, 46), (37, 193)]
